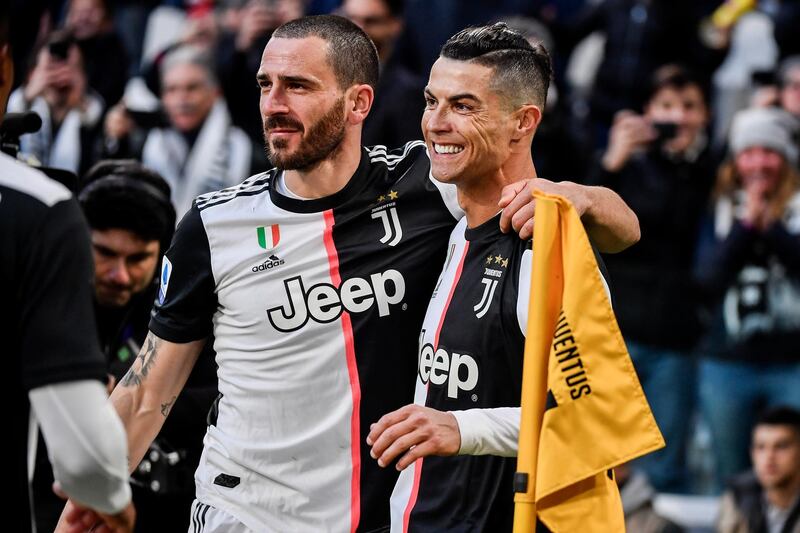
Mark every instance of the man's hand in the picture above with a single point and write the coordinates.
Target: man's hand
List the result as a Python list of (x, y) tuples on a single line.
[(519, 206), (412, 432), (78, 519), (257, 20), (630, 132), (41, 78), (118, 123), (757, 212), (611, 224)]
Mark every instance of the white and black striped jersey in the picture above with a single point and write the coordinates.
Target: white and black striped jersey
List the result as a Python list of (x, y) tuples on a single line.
[(470, 357), (315, 307)]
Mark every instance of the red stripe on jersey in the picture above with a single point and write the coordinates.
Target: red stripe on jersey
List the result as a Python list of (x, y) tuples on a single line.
[(412, 500), (352, 371)]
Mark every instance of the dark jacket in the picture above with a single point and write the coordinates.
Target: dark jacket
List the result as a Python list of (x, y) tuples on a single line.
[(397, 110), (641, 35), (654, 299), (754, 279), (743, 509)]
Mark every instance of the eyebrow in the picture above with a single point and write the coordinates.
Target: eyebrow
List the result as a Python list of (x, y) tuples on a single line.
[(261, 76), (456, 97)]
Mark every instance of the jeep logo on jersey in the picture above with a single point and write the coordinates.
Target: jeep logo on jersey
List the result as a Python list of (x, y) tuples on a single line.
[(459, 371), (392, 230), (325, 303), (269, 236)]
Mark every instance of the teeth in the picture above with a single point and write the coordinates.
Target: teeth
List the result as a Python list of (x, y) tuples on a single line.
[(447, 148)]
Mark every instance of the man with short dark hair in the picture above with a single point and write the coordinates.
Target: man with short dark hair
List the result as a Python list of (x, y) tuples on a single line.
[(661, 163), (313, 278), (767, 499), (484, 101), (132, 220)]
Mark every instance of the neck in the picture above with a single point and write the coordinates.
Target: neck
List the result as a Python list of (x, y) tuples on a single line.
[(330, 175), (783, 497), (479, 198), (57, 114)]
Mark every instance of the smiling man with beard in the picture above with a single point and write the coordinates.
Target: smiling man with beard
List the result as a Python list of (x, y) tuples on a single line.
[(318, 345)]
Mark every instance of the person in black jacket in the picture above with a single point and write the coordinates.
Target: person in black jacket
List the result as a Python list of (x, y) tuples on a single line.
[(660, 164), (132, 221), (752, 272), (767, 498)]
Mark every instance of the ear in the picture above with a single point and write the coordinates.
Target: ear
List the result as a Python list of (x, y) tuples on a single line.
[(358, 100), (527, 119)]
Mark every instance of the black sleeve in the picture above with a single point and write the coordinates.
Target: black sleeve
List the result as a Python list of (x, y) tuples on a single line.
[(58, 337), (598, 175), (726, 260), (186, 300)]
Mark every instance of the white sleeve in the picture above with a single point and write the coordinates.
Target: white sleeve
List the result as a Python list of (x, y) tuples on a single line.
[(489, 431), (16, 101), (86, 443), (524, 291)]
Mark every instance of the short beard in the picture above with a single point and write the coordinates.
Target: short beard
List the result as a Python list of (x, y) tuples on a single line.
[(323, 140)]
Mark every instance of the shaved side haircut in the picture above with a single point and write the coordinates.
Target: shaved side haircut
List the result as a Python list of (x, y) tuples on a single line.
[(522, 70), (351, 54)]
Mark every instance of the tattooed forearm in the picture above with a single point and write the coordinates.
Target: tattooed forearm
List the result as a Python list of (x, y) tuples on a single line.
[(165, 407), (145, 360)]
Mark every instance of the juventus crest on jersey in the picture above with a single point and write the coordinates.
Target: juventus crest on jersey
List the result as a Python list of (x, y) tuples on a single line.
[(315, 307)]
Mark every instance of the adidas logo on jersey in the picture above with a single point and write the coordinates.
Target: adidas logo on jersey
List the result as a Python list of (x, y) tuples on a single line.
[(457, 371), (325, 303), (272, 262)]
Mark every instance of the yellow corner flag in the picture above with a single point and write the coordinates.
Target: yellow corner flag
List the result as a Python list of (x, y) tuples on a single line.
[(583, 409)]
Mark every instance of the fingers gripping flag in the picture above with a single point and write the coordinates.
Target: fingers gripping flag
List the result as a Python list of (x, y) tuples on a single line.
[(583, 409)]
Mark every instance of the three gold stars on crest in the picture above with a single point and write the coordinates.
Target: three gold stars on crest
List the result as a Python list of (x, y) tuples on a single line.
[(498, 260), (391, 195)]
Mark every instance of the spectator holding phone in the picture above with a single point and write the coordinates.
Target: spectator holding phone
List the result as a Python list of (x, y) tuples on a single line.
[(57, 89), (91, 23), (196, 148), (661, 165)]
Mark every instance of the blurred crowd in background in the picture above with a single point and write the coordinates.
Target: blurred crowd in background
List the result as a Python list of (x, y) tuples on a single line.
[(689, 109)]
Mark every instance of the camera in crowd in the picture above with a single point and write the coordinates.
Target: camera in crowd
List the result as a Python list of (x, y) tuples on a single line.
[(59, 47), (666, 131)]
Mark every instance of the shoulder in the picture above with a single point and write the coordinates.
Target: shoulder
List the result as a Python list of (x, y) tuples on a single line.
[(18, 177), (397, 158), (256, 184)]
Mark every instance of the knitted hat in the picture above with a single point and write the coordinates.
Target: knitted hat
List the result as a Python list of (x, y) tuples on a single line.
[(770, 128)]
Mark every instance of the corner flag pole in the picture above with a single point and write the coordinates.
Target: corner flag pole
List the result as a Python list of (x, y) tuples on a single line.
[(545, 301)]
